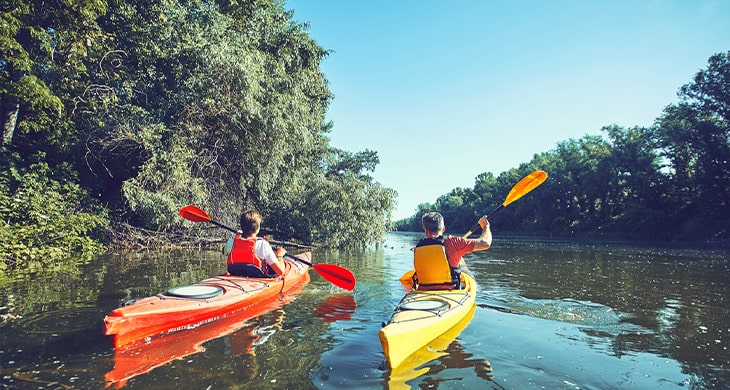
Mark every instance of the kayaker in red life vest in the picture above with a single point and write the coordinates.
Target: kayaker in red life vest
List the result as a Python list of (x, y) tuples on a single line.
[(252, 256), (438, 259)]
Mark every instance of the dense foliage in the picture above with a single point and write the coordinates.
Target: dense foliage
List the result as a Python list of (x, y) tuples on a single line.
[(46, 216), (151, 105), (667, 182), (120, 112)]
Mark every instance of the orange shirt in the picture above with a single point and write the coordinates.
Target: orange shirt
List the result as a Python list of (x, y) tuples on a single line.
[(456, 247)]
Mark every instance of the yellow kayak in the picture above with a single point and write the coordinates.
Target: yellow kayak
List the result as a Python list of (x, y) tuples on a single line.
[(422, 316), (417, 364)]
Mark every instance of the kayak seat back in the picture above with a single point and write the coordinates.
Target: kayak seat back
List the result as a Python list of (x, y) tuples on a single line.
[(248, 270), (432, 267)]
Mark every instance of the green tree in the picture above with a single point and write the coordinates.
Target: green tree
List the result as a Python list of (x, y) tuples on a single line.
[(340, 205), (694, 140), (709, 91), (226, 108), (44, 59), (150, 105), (581, 182), (44, 216), (452, 207), (635, 201)]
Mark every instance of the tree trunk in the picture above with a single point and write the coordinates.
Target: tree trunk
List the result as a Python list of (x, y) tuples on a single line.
[(11, 119)]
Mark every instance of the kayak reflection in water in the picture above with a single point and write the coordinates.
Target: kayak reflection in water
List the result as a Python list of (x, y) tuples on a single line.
[(336, 308), (243, 331), (443, 353), (249, 255), (438, 260)]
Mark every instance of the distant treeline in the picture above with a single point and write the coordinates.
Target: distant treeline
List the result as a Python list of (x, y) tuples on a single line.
[(670, 181), (117, 113)]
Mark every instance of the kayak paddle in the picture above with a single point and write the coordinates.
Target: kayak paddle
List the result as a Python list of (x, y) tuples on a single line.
[(527, 184), (339, 276)]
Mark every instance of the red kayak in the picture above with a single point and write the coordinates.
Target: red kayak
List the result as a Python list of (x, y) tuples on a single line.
[(188, 307), (136, 359)]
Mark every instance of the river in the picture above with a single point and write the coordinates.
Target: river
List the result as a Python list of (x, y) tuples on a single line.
[(550, 315)]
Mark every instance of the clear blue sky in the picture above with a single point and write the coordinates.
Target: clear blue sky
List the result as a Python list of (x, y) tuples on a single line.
[(446, 90)]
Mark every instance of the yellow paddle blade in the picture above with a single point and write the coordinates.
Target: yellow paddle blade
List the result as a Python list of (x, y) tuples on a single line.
[(527, 184)]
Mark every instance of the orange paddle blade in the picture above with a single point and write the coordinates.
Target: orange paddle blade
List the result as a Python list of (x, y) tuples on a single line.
[(194, 213), (407, 279), (527, 184)]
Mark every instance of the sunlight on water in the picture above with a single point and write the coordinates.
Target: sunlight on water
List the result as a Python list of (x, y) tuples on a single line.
[(565, 310)]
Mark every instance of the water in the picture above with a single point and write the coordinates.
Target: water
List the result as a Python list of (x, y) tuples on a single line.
[(548, 316)]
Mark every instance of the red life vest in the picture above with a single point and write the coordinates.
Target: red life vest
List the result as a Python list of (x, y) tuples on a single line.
[(244, 252)]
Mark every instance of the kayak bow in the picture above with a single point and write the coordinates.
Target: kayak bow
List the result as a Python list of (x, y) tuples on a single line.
[(422, 316)]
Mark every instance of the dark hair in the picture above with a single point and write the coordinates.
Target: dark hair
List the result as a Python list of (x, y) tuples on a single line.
[(250, 222), (433, 222)]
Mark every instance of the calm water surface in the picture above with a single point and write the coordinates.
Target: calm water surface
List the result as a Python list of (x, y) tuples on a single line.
[(549, 315)]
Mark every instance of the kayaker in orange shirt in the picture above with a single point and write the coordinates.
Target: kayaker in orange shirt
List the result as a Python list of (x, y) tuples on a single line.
[(438, 259), (249, 255)]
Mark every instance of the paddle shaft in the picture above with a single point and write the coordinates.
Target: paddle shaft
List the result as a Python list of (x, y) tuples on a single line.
[(477, 225), (289, 255), (299, 259), (196, 214), (289, 243), (223, 226)]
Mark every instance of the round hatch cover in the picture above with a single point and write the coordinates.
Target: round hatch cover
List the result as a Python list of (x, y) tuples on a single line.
[(425, 304), (195, 291)]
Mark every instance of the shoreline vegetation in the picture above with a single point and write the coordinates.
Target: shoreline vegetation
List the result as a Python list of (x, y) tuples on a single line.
[(115, 116)]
